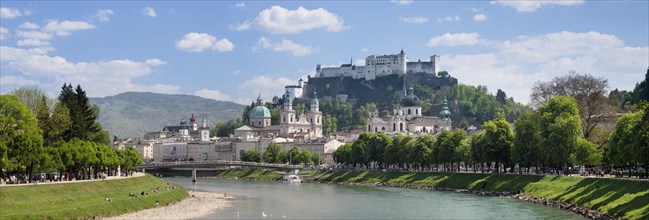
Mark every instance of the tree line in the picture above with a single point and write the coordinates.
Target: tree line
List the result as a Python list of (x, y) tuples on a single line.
[(39, 134), (547, 139), (275, 154)]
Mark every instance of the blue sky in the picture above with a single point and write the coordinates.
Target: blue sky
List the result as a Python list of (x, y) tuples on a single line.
[(233, 50)]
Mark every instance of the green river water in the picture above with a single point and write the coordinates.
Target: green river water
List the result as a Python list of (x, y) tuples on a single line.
[(332, 201)]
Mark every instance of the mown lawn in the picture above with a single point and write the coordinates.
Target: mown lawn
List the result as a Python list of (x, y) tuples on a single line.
[(620, 198), (85, 199)]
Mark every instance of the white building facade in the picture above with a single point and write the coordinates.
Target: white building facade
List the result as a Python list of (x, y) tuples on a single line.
[(380, 65)]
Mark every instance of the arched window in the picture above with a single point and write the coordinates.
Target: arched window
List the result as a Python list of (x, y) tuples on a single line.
[(416, 111), (369, 128), (284, 119), (409, 111), (376, 129), (400, 126), (394, 126)]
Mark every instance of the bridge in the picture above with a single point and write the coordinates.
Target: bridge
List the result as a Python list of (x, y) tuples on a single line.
[(194, 165)]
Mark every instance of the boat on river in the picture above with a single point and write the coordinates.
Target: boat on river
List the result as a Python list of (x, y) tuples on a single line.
[(292, 179)]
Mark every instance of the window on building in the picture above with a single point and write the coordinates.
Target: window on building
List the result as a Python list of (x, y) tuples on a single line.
[(409, 111)]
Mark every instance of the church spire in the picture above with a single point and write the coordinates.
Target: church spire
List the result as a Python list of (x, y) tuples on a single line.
[(405, 92)]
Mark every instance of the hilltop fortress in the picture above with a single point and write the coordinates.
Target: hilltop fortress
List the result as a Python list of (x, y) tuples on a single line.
[(380, 65), (349, 80)]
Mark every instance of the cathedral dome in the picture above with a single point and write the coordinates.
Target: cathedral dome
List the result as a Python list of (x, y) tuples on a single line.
[(410, 101), (259, 111)]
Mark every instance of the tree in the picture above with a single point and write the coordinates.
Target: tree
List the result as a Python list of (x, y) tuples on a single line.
[(501, 96), (304, 157), (32, 96), (360, 150), (628, 143), (498, 141), (560, 130), (272, 153), (82, 114), (586, 153), (130, 158), (343, 154), (21, 141), (421, 153), (526, 141), (26, 150), (588, 91), (443, 74), (294, 155), (251, 155), (316, 159)]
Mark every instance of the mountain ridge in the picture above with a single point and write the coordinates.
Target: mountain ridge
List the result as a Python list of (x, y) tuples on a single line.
[(132, 114)]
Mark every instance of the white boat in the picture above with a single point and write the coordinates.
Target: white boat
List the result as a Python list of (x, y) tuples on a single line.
[(292, 179)]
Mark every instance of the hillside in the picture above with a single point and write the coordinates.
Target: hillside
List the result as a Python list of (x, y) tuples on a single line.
[(469, 105), (132, 114)]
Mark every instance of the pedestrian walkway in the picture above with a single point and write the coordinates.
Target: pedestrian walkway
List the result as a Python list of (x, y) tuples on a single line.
[(135, 174)]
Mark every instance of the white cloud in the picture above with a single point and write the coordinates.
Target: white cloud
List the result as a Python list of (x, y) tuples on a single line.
[(240, 5), (553, 45), (278, 20), (212, 94), (479, 17), (401, 2), (104, 14), (16, 80), (285, 45), (448, 19), (116, 75), (155, 62), (516, 64), (29, 25), (4, 33), (459, 39), (9, 13), (33, 38), (414, 20), (243, 26), (35, 42), (264, 85), (34, 35), (198, 42), (65, 28), (364, 50), (531, 6), (149, 12)]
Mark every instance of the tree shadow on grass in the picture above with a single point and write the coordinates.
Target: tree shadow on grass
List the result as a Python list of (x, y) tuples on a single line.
[(607, 195)]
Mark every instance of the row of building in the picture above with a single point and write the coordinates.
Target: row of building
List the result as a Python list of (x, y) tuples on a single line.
[(191, 140)]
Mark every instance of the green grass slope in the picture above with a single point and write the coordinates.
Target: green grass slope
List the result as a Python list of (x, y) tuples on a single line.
[(132, 114), (621, 198), (253, 174), (85, 199)]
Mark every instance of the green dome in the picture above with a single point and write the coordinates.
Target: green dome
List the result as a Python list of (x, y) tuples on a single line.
[(260, 111)]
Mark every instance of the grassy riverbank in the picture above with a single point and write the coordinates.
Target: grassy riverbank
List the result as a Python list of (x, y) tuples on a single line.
[(621, 198), (250, 174), (85, 199)]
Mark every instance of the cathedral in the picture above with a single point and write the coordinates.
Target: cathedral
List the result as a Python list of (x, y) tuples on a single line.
[(408, 118), (308, 125)]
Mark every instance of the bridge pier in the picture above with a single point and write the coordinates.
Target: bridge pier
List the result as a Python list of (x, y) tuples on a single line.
[(194, 175)]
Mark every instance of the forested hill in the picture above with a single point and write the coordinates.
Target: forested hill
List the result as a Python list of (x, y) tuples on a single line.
[(132, 114), (469, 105)]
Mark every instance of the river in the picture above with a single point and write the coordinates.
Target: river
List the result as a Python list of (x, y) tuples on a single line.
[(331, 201)]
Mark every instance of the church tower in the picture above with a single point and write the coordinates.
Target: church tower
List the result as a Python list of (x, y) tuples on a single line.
[(287, 116), (315, 117)]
